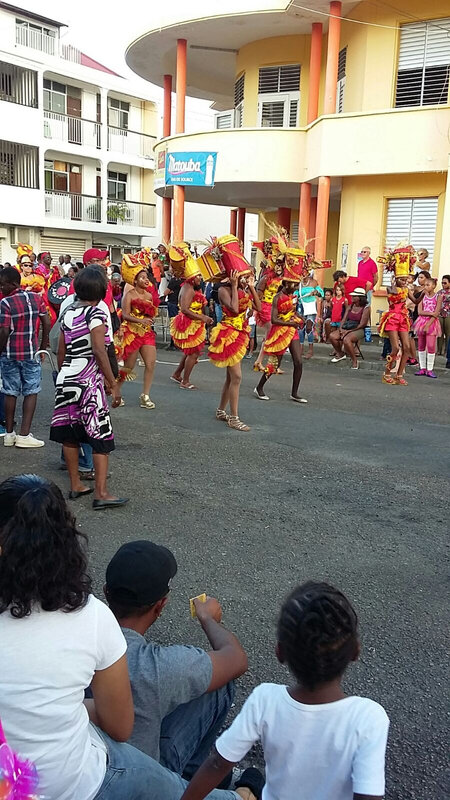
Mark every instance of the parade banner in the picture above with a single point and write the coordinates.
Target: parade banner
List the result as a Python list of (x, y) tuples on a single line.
[(190, 169)]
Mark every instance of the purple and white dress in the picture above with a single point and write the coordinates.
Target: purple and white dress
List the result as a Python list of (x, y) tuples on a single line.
[(434, 326), (81, 412)]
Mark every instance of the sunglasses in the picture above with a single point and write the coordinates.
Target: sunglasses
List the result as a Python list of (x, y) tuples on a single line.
[(27, 264)]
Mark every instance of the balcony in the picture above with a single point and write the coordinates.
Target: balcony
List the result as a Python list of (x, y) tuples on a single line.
[(71, 130), (126, 212), (78, 207), (130, 143), (36, 39)]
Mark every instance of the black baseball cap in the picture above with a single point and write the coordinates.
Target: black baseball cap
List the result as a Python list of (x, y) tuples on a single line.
[(139, 574)]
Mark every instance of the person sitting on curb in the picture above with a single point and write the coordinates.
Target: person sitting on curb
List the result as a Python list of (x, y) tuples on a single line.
[(181, 694)]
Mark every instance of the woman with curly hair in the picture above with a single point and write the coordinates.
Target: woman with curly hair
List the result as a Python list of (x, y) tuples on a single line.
[(57, 639)]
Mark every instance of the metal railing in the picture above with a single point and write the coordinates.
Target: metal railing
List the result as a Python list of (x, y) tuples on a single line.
[(126, 212), (70, 53), (128, 142), (38, 40), (18, 85), (73, 130), (68, 205)]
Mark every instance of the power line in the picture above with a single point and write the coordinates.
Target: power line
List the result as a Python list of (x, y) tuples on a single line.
[(369, 24)]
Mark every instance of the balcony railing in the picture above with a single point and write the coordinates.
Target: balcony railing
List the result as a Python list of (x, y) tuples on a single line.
[(73, 130), (128, 142), (126, 212), (68, 205), (70, 53), (38, 40)]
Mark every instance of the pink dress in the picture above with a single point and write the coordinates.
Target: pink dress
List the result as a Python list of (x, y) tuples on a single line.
[(428, 304)]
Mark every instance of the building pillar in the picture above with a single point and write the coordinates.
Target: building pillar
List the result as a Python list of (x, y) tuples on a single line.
[(233, 221), (178, 191), (323, 203), (166, 224), (304, 213), (314, 71), (334, 33), (241, 226), (104, 155), (284, 218), (445, 236), (312, 224)]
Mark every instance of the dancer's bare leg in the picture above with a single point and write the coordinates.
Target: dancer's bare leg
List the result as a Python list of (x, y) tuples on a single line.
[(189, 365), (148, 353), (260, 355), (179, 370), (225, 396)]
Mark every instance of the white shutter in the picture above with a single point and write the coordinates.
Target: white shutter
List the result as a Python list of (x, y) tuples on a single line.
[(224, 120), (342, 66), (412, 221), (59, 246), (424, 63), (272, 114), (438, 43), (294, 232), (412, 46)]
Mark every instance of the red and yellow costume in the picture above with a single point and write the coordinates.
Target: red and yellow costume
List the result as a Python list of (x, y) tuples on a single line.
[(229, 339), (396, 318), (189, 334), (32, 283), (273, 283), (133, 335), (279, 337)]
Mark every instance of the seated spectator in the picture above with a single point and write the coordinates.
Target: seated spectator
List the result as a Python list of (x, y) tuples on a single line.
[(351, 329), (327, 307), (319, 744), (56, 639), (181, 694)]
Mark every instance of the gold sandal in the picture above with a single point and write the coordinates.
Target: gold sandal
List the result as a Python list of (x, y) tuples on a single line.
[(236, 424), (145, 402), (221, 415)]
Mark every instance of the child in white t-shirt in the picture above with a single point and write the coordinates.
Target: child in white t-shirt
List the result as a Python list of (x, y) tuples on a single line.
[(319, 744)]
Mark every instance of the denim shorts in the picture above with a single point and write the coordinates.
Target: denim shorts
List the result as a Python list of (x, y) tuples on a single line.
[(20, 377)]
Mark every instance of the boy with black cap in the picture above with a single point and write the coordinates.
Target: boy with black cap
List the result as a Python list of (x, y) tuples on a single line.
[(181, 694)]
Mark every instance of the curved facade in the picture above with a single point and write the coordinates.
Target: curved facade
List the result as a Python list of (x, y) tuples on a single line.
[(342, 119)]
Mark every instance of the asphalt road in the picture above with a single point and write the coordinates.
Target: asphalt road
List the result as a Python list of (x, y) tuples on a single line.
[(352, 488)]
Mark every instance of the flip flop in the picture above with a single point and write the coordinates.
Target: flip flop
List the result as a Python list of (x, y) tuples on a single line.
[(175, 380), (189, 386)]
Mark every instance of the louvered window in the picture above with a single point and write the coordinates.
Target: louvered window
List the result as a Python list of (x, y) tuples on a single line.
[(224, 121), (19, 165), (412, 221), (423, 64), (294, 232), (239, 101), (342, 64), (279, 96)]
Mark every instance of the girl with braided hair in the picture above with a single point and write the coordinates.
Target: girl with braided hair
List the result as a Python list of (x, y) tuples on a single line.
[(319, 744)]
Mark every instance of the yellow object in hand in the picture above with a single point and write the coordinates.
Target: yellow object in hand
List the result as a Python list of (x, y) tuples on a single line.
[(202, 598)]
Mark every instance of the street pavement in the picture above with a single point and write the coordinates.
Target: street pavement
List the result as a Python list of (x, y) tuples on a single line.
[(352, 488)]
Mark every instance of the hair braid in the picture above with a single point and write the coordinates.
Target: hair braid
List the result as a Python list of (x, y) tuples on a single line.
[(317, 632)]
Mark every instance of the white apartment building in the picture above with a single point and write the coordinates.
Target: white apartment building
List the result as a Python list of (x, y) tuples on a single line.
[(76, 146)]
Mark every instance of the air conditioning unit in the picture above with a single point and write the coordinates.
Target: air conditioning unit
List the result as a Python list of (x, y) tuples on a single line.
[(18, 235)]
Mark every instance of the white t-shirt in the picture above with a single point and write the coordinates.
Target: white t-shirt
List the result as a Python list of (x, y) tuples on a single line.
[(46, 661), (312, 752)]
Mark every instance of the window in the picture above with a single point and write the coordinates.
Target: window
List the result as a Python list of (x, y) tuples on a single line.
[(412, 220), (239, 101), (117, 185), (342, 63), (35, 36), (423, 64), (19, 165), (18, 85), (55, 96), (118, 112), (56, 176), (279, 96), (224, 120)]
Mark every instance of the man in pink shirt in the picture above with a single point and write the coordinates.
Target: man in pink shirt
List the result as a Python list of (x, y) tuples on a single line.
[(367, 271)]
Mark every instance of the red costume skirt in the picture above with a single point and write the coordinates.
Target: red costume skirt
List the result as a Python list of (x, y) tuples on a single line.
[(227, 345), (394, 321), (188, 334), (264, 316), (130, 345), (278, 339)]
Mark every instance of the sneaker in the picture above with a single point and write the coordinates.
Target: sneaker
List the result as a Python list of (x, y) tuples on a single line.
[(28, 441), (421, 372), (9, 439), (2, 430), (337, 358), (430, 374)]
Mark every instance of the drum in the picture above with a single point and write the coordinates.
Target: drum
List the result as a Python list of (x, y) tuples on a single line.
[(59, 290), (232, 258)]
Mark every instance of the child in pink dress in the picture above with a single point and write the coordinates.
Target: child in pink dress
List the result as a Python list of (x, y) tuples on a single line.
[(428, 328)]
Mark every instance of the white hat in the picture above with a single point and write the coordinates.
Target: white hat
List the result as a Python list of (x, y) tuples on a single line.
[(358, 292)]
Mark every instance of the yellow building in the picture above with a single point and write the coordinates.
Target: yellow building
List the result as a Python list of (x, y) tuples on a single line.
[(338, 109)]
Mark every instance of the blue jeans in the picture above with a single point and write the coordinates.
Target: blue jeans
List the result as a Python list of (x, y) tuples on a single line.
[(309, 335), (85, 458), (20, 377), (189, 732), (133, 775), (2, 407), (448, 352), (219, 312)]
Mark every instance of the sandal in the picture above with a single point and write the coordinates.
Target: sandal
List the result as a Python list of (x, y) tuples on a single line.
[(145, 402), (176, 380), (187, 385), (400, 380), (221, 415), (236, 424), (387, 378)]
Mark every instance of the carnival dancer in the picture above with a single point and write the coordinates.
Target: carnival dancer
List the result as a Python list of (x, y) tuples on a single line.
[(139, 308), (428, 328), (283, 334), (29, 281), (188, 328), (395, 322), (229, 341), (267, 287)]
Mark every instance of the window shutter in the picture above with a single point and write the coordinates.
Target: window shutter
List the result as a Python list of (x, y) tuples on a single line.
[(294, 232), (239, 90), (412, 220), (272, 115), (293, 113), (290, 78), (279, 79), (423, 64), (224, 121), (59, 246)]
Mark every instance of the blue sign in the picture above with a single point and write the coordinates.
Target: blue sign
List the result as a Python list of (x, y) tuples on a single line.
[(190, 169)]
